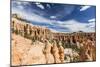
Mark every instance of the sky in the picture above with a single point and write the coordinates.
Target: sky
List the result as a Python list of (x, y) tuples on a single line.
[(57, 17)]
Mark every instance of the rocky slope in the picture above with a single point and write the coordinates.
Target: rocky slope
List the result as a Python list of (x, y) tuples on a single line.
[(32, 44)]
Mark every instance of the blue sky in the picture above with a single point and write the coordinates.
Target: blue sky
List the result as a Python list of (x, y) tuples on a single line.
[(57, 17)]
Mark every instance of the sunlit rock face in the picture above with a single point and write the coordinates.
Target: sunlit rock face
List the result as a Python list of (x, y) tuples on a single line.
[(25, 53)]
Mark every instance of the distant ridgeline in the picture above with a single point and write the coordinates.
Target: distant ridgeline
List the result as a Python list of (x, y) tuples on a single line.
[(26, 29)]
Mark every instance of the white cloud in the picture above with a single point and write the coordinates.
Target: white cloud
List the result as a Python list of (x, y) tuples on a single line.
[(92, 20), (25, 3), (83, 8), (20, 7), (74, 26), (18, 3), (53, 30), (40, 5), (52, 17), (48, 5)]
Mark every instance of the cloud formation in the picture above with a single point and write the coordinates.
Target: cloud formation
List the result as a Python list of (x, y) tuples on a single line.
[(83, 8), (68, 25)]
